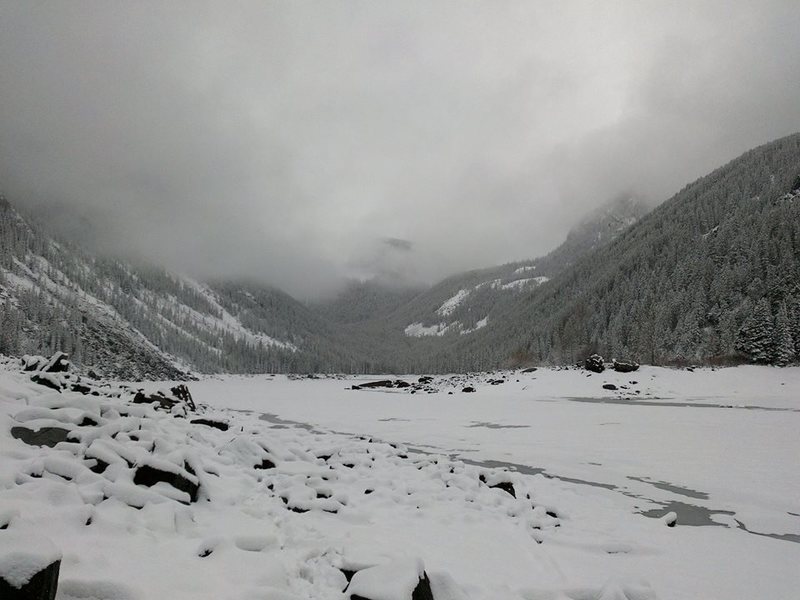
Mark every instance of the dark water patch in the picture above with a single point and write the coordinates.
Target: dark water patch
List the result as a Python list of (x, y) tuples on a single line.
[(276, 420), (688, 514), (786, 537), (488, 425), (527, 470), (675, 404), (671, 487)]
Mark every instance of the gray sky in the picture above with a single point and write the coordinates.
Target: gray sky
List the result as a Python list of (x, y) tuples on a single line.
[(303, 142)]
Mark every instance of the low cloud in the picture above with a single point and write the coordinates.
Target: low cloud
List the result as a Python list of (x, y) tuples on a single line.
[(302, 143)]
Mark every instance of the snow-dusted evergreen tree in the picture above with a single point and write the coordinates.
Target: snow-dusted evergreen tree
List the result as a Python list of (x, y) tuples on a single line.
[(782, 342), (756, 336)]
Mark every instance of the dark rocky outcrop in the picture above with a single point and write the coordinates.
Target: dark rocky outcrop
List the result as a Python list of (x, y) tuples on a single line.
[(148, 475), (625, 366), (609, 386), (383, 383), (47, 381), (265, 464), (594, 363), (41, 586), (221, 425), (468, 389), (421, 592), (46, 436), (506, 486), (57, 363), (181, 392), (179, 396)]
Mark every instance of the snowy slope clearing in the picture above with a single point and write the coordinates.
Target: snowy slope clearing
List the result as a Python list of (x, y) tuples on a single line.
[(290, 486)]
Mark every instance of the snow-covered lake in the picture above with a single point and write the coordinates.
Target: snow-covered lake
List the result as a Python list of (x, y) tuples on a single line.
[(718, 447), (386, 477)]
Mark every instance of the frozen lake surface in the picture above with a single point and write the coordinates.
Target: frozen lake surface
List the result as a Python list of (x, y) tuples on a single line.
[(720, 448)]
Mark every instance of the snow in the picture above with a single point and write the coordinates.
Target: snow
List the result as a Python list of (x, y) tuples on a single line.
[(479, 325), (23, 555), (518, 284), (420, 330), (525, 269), (394, 581), (451, 304), (587, 465)]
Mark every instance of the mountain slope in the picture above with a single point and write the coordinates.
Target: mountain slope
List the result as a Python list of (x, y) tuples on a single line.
[(140, 321), (712, 274), (421, 334)]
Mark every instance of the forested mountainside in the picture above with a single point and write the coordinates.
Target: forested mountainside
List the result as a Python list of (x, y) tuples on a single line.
[(424, 334), (711, 275), (141, 321), (364, 300)]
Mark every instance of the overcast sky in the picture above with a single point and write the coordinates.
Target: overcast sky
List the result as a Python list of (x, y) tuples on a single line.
[(303, 142)]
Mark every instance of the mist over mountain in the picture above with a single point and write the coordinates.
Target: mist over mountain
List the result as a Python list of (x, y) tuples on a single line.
[(287, 143)]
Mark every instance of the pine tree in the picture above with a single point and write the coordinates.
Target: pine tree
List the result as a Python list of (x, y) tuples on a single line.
[(756, 335), (794, 323), (782, 342)]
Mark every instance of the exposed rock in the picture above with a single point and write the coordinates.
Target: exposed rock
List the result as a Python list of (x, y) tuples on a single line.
[(625, 366), (425, 379), (383, 383), (29, 566), (403, 579), (529, 370), (221, 425), (506, 486), (181, 392), (42, 586), (80, 388), (46, 436), (47, 380), (179, 396), (609, 386), (594, 363), (58, 363), (149, 476), (265, 464), (468, 389)]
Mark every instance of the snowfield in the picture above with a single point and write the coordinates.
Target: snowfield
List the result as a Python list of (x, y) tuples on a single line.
[(537, 486)]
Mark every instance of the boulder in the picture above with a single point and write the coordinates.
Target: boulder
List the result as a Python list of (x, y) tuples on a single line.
[(529, 370), (221, 425), (149, 475), (468, 389), (179, 395), (33, 363), (506, 486), (47, 380), (625, 366), (404, 579), (29, 567), (382, 383), (58, 363), (609, 386), (594, 363)]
